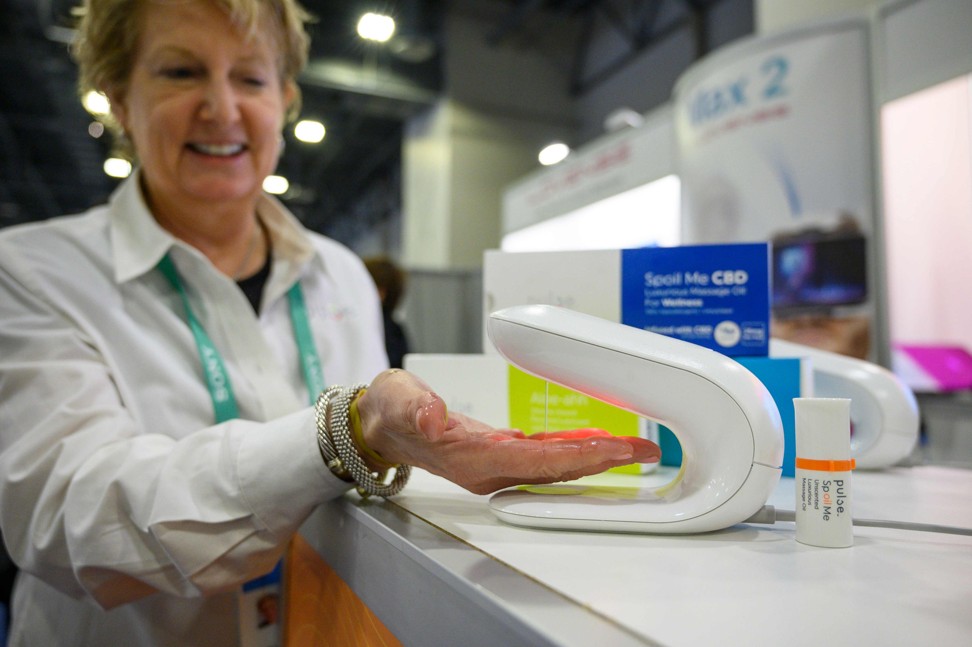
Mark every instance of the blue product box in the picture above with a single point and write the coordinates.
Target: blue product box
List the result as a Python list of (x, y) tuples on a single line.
[(783, 377), (717, 296)]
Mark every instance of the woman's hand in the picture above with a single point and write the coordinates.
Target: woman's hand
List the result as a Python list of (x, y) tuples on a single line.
[(405, 422)]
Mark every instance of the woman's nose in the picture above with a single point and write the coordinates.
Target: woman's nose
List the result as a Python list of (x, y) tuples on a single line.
[(220, 102)]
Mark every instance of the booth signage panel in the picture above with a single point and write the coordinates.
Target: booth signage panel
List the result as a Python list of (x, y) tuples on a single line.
[(774, 134), (775, 140), (621, 161), (715, 296)]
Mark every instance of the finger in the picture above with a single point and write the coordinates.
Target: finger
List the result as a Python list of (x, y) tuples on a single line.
[(585, 432), (493, 483), (501, 482), (507, 434), (554, 458), (431, 415), (645, 451)]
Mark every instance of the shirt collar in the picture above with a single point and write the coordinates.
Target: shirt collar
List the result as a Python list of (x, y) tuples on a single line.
[(139, 242)]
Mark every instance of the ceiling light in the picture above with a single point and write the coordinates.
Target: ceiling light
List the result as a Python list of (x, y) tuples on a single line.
[(276, 184), (310, 131), (553, 153), (96, 103), (623, 118), (373, 26), (96, 129), (117, 167)]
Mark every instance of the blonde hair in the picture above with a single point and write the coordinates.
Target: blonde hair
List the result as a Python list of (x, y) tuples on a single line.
[(108, 32)]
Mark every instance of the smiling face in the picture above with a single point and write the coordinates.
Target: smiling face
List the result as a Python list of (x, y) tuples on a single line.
[(204, 107)]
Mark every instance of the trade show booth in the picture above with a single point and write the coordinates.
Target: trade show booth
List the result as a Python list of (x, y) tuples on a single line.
[(769, 234)]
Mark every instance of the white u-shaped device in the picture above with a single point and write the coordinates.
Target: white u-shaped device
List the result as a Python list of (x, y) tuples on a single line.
[(884, 412), (724, 418)]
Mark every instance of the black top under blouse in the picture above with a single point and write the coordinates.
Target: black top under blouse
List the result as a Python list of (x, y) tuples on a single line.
[(252, 286)]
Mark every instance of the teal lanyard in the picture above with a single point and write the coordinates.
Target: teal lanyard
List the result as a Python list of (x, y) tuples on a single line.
[(214, 370), (310, 361)]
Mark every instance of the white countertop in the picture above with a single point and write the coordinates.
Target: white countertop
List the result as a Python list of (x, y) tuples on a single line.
[(747, 585)]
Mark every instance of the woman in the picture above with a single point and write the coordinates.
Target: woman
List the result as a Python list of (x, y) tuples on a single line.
[(161, 356)]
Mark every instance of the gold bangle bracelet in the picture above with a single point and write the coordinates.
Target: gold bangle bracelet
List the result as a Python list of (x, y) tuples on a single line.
[(358, 434)]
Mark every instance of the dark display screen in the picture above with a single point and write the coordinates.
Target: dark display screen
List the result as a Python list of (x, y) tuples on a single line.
[(814, 275)]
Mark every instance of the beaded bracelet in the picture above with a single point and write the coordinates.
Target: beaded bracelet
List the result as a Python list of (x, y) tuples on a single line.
[(336, 442)]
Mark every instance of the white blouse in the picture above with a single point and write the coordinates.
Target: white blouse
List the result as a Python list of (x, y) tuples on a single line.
[(133, 517)]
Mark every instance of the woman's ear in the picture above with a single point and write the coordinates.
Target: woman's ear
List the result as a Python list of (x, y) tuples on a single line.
[(291, 99), (291, 93)]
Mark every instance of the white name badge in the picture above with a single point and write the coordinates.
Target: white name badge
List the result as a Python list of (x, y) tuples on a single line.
[(260, 611)]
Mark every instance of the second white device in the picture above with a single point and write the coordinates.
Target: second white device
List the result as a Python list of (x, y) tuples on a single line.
[(883, 410), (724, 418)]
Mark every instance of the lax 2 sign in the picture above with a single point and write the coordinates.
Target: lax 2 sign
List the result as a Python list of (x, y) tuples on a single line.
[(767, 84)]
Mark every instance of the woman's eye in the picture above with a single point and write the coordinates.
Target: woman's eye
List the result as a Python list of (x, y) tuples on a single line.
[(254, 80), (179, 72)]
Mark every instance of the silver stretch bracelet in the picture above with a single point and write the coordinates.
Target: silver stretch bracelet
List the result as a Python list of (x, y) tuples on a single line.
[(336, 442)]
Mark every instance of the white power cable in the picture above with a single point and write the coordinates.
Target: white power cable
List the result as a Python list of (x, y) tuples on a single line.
[(769, 515)]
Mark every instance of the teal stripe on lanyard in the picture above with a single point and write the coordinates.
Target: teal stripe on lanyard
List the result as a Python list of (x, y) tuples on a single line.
[(310, 361), (217, 379), (214, 370)]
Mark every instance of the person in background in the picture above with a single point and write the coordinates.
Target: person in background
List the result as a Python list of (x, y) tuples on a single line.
[(390, 281), (186, 372)]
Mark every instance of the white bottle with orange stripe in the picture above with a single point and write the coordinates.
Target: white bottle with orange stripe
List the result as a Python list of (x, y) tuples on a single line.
[(823, 472)]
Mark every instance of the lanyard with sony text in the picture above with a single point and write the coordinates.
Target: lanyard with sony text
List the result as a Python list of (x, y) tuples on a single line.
[(258, 626), (214, 369)]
